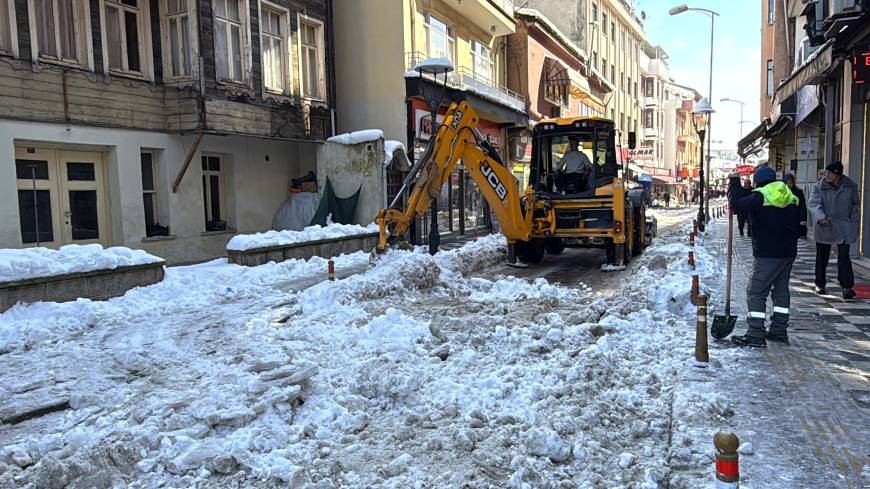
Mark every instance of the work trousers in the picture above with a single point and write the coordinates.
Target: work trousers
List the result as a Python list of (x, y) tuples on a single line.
[(845, 275), (769, 278)]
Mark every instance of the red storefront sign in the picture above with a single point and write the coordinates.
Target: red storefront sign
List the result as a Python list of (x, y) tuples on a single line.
[(423, 127), (745, 170)]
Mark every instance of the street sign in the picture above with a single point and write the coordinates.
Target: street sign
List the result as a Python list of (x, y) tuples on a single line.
[(861, 66), (745, 170)]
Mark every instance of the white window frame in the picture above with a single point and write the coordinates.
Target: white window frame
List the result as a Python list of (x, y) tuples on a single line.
[(193, 39), (222, 186), (85, 51), (143, 30), (284, 34), (450, 35), (244, 22), (9, 47), (155, 192), (321, 56), (476, 54)]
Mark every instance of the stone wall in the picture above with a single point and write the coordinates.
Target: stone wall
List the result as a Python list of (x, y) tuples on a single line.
[(97, 285), (325, 248)]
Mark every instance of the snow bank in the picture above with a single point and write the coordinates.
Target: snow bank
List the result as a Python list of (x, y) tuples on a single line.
[(390, 146), (243, 242), (357, 137), (44, 262)]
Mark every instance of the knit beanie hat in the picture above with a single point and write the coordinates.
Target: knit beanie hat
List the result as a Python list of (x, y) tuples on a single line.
[(764, 175), (835, 167)]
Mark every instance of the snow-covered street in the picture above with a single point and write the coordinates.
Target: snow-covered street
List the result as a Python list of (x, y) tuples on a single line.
[(418, 372)]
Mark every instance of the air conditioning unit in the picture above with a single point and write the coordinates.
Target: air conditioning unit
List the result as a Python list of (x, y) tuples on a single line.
[(840, 8)]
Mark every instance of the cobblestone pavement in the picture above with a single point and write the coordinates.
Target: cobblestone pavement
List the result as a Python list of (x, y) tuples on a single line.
[(805, 407)]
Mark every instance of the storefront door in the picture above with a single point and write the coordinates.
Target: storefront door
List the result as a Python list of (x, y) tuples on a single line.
[(61, 197)]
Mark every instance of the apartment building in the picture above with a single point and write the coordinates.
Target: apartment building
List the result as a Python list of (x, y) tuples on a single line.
[(554, 76), (378, 44), (166, 125), (655, 76), (612, 33), (681, 142)]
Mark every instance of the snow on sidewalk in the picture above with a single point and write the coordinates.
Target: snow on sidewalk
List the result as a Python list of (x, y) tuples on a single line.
[(411, 374), (28, 263)]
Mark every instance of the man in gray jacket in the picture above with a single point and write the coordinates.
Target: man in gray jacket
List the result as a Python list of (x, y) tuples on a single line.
[(836, 209)]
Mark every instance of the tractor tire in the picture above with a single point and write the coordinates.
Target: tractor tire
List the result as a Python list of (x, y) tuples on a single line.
[(639, 232), (610, 251), (555, 246), (531, 251)]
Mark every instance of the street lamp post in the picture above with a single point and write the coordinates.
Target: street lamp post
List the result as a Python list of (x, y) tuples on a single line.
[(701, 121), (677, 11), (727, 99), (434, 95)]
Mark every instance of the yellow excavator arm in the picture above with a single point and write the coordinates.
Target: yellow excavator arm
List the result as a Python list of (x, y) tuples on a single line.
[(458, 139)]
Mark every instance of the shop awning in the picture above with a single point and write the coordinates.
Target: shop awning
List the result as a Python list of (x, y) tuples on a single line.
[(783, 122), (556, 73), (812, 71), (753, 141), (664, 179), (579, 84)]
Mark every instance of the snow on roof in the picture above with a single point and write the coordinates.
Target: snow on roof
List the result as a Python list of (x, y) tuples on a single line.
[(31, 263), (552, 29), (439, 65), (357, 137), (243, 242)]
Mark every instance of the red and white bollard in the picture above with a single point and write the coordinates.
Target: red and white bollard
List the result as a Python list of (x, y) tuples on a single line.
[(692, 239), (696, 290), (727, 460), (692, 258), (331, 270)]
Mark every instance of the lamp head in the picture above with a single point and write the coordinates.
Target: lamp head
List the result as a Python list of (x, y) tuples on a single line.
[(701, 114), (678, 9), (434, 66)]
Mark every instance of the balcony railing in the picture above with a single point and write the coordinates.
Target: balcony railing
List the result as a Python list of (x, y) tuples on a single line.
[(650, 133), (506, 5), (465, 78), (649, 102)]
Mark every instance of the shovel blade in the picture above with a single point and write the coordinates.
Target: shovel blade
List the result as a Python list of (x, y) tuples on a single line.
[(722, 326)]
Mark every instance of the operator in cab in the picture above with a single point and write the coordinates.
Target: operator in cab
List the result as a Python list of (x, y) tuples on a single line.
[(574, 168)]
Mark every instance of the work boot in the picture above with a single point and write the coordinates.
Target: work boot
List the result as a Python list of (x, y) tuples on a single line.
[(777, 337), (848, 294), (820, 290), (750, 341)]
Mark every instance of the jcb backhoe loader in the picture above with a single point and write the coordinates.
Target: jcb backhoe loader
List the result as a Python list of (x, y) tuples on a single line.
[(558, 209)]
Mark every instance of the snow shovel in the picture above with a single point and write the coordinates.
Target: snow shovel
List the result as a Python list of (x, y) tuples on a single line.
[(724, 325)]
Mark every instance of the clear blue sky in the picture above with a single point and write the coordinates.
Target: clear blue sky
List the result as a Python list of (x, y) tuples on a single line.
[(736, 59)]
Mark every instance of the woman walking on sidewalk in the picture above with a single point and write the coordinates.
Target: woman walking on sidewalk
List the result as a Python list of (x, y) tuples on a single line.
[(836, 208), (774, 226)]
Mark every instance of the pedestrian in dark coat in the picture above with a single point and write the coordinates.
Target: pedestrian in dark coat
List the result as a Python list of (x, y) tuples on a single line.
[(836, 208), (802, 201), (743, 217), (775, 225)]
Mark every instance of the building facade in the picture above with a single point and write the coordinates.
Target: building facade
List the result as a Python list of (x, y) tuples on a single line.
[(681, 142), (165, 125), (553, 75), (612, 33), (818, 109), (378, 44), (655, 76)]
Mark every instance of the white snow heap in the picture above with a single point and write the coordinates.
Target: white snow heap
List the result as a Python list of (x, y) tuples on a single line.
[(440, 64), (28, 263), (244, 242), (357, 137), (390, 147)]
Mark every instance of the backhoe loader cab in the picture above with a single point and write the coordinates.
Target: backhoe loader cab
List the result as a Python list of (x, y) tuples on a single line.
[(573, 157), (581, 199)]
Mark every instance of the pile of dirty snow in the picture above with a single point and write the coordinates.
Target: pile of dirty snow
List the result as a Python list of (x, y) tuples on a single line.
[(28, 263), (243, 242)]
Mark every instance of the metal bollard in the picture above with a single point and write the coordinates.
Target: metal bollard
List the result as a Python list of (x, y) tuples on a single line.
[(692, 257), (695, 226), (727, 460), (331, 270), (691, 239), (696, 289), (702, 355)]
